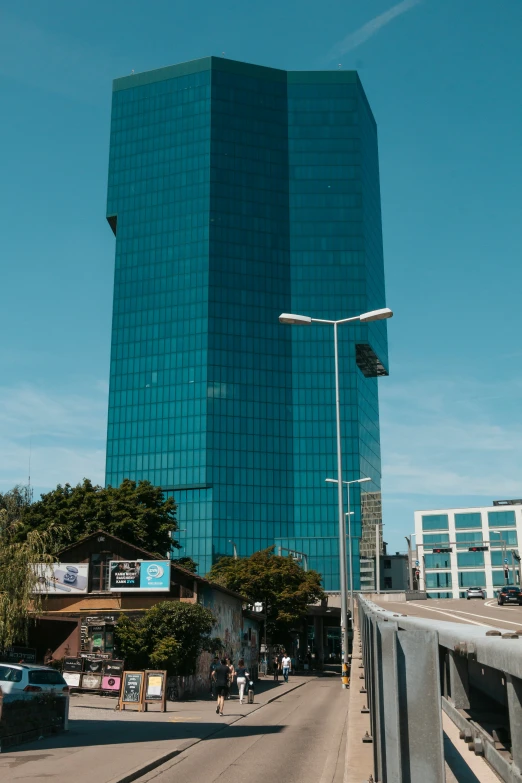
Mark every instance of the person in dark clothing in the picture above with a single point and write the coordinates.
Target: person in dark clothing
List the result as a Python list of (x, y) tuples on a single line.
[(221, 675), (213, 665)]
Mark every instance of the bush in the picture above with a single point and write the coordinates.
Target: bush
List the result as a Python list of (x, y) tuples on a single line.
[(170, 636)]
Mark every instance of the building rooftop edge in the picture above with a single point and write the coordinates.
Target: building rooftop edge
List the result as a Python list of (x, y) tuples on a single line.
[(224, 63), (465, 508)]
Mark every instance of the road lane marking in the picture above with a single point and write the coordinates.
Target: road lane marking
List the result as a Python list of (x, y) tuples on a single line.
[(455, 616), (495, 603), (485, 617)]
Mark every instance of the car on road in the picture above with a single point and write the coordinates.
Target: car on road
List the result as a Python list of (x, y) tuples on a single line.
[(509, 595), (15, 677), (475, 592)]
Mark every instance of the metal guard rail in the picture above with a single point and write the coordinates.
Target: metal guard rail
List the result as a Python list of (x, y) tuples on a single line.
[(415, 668)]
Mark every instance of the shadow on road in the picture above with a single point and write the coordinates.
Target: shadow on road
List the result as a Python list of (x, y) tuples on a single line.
[(85, 733)]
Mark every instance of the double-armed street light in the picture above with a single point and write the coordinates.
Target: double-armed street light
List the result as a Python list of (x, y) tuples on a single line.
[(305, 320)]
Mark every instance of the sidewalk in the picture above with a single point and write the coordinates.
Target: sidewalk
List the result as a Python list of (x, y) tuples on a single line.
[(110, 746)]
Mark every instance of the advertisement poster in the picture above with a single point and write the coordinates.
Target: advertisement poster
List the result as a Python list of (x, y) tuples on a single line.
[(91, 681), (72, 679), (139, 575), (94, 666), (111, 683), (73, 664), (113, 668), (61, 578), (154, 685)]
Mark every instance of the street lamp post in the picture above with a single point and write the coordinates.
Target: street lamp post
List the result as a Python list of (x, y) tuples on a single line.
[(350, 557), (304, 320), (503, 544), (378, 558)]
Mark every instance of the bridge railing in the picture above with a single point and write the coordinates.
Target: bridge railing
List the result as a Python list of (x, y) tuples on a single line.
[(414, 669)]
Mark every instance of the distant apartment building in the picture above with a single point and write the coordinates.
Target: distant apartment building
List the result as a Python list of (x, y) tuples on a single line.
[(457, 548), (393, 572)]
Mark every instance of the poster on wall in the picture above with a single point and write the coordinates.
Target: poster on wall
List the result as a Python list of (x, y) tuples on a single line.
[(111, 683), (61, 577), (140, 575), (91, 681), (72, 679), (73, 664), (113, 668)]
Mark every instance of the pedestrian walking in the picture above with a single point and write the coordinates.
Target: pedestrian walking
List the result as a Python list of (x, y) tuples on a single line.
[(286, 663), (221, 676), (276, 668), (232, 674), (242, 675), (213, 665)]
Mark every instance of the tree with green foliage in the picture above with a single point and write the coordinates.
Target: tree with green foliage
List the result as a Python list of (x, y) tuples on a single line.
[(18, 577), (170, 636), (280, 583), (187, 563), (136, 512)]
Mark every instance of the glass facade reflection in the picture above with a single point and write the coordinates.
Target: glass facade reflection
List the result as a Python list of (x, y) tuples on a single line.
[(238, 192)]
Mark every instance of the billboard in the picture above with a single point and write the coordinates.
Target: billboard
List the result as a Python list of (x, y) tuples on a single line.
[(61, 578), (139, 575)]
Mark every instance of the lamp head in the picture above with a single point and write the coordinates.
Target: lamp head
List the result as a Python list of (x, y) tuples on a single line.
[(294, 320), (376, 315)]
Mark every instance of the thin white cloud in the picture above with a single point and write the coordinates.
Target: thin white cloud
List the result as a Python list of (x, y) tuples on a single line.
[(447, 443), (64, 433), (355, 39), (445, 439)]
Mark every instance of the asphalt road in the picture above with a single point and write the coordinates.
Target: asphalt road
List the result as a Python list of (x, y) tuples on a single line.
[(474, 612), (300, 738)]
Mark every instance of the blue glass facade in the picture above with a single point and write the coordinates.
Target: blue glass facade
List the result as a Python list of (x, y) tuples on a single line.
[(238, 192)]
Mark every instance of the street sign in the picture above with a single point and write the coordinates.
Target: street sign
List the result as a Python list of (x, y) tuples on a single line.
[(505, 560), (417, 563)]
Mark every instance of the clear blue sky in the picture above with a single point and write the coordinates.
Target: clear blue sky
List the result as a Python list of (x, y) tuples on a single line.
[(443, 78)]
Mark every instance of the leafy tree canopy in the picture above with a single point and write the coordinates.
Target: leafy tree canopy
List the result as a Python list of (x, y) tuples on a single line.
[(170, 636), (18, 577), (187, 563), (279, 582), (135, 512)]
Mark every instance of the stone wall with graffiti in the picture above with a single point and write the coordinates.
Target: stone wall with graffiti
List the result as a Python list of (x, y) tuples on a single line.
[(238, 633)]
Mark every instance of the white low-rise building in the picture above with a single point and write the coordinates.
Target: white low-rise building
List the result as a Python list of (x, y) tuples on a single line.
[(457, 548)]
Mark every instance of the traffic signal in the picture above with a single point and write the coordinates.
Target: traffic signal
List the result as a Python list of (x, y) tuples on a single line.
[(506, 571), (447, 549), (478, 548)]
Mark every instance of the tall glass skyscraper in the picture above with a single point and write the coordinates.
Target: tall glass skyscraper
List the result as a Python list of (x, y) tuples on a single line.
[(237, 192)]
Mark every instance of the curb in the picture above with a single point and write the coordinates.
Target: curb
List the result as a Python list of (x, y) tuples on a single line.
[(143, 769)]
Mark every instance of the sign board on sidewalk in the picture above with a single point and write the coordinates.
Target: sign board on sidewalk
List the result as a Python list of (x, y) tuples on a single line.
[(140, 575), (132, 689), (155, 691)]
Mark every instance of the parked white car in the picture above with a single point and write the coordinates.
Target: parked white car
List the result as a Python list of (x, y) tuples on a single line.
[(16, 677)]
